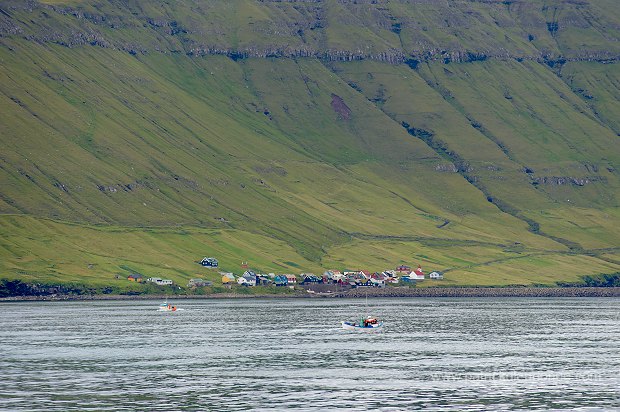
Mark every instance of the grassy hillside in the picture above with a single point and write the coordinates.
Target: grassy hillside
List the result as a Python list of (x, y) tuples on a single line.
[(302, 136)]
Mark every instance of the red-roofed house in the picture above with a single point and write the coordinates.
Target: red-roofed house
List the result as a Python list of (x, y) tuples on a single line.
[(403, 269), (417, 274)]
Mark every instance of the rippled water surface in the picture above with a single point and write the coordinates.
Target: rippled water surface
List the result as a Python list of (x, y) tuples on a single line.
[(434, 354)]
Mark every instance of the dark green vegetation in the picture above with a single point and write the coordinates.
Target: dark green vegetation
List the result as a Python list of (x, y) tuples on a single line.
[(603, 280), (475, 137)]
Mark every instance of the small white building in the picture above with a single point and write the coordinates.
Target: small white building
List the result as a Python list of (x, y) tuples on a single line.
[(160, 281), (435, 275)]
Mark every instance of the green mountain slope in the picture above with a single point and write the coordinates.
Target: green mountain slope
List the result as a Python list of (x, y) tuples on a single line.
[(479, 138)]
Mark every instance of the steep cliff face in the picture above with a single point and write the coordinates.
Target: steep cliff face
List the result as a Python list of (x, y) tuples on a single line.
[(387, 31), (357, 132)]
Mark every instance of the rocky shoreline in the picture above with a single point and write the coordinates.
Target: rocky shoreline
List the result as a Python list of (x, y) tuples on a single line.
[(396, 292), (482, 292)]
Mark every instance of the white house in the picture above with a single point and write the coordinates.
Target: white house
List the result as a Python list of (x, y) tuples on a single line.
[(390, 276), (390, 273), (246, 282), (435, 275), (417, 274), (247, 279), (378, 283)]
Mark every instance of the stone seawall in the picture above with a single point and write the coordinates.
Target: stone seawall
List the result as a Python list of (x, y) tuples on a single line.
[(390, 292), (482, 292)]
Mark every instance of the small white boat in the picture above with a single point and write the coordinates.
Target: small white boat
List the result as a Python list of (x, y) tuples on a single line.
[(369, 324)]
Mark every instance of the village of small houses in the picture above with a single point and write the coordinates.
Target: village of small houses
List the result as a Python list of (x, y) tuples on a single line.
[(328, 281)]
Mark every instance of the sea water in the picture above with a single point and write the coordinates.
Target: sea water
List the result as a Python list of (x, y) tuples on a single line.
[(268, 354)]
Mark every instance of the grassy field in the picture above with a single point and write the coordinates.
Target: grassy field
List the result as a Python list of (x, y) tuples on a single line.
[(143, 137), (35, 250)]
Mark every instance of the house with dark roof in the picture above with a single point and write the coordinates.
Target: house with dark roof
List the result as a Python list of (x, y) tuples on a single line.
[(209, 262), (280, 280), (364, 283), (309, 278)]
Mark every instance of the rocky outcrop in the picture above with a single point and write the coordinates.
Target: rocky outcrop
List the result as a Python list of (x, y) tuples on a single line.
[(390, 56), (567, 180), (446, 168)]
